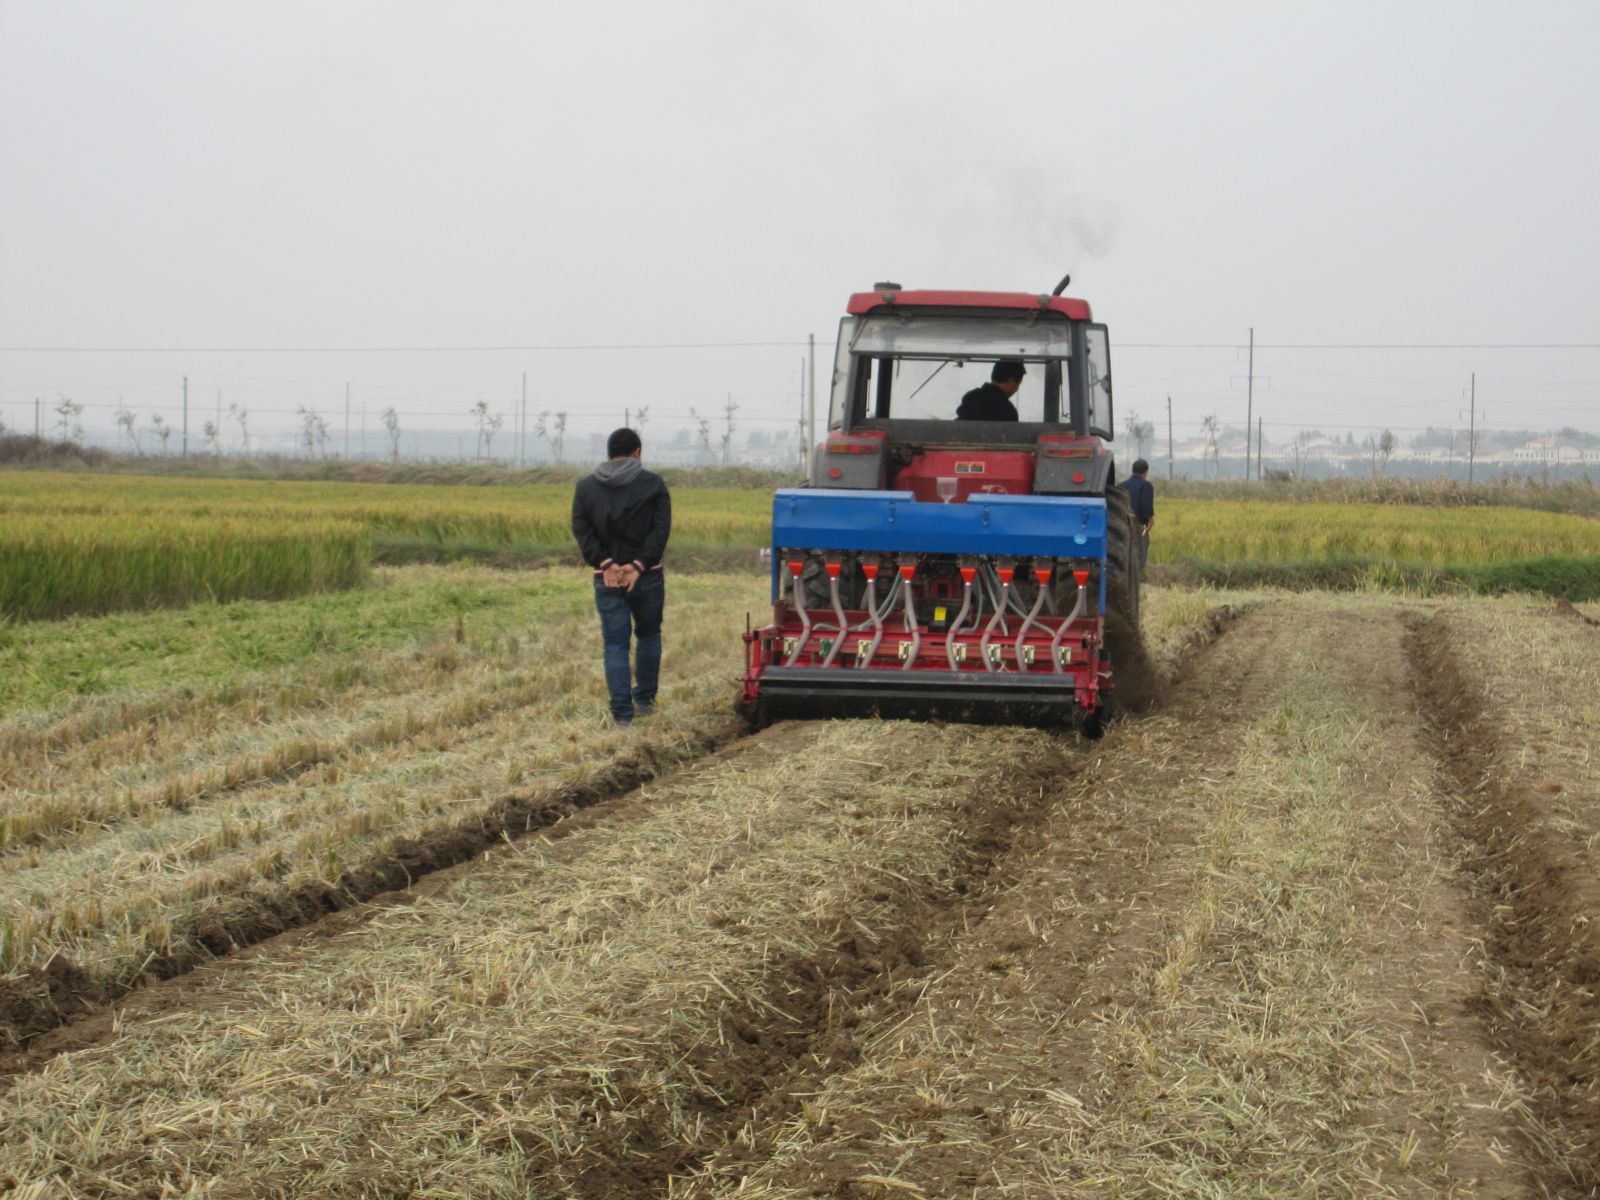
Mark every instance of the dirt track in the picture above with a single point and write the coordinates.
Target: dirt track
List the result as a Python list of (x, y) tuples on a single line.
[(1301, 931)]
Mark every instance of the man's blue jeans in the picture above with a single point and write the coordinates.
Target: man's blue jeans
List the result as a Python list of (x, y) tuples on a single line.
[(636, 613)]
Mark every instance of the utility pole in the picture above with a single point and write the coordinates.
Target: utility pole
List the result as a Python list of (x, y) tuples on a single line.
[(347, 422), (1249, 401), (800, 432), (185, 416), (811, 401), (38, 419), (1472, 428), (1169, 437)]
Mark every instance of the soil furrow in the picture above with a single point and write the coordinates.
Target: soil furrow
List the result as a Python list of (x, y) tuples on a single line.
[(35, 1007), (781, 1042), (1204, 982), (1538, 905)]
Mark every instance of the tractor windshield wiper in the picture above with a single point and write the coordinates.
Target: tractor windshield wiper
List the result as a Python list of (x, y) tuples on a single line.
[(931, 378)]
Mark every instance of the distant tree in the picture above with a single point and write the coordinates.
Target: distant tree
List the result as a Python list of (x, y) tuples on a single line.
[(639, 418), (67, 413), (703, 431), (727, 427), (242, 416), (391, 426), (1298, 450), (1432, 438), (126, 417), (313, 431), (1139, 431), (1385, 450), (213, 436), (1211, 428), (488, 425), (163, 430), (553, 429)]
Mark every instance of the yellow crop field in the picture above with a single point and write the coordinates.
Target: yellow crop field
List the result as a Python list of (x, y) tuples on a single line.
[(91, 544), (530, 517), (73, 543), (1224, 530)]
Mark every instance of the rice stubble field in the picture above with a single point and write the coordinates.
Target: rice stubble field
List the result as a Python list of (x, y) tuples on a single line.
[(1316, 925)]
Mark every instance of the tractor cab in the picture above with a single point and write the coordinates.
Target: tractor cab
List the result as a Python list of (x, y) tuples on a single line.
[(906, 359)]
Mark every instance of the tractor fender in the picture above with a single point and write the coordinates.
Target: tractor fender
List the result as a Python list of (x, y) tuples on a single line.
[(1070, 467)]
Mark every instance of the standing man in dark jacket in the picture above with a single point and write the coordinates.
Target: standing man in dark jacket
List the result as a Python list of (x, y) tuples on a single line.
[(621, 516), (1142, 495)]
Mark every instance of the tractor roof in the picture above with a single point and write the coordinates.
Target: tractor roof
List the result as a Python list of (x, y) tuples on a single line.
[(864, 302)]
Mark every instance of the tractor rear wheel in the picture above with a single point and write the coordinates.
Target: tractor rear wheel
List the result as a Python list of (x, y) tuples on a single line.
[(1122, 557), (1133, 674)]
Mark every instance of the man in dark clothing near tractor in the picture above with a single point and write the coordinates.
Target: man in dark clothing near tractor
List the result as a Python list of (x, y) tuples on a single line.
[(1142, 497), (992, 401), (622, 516)]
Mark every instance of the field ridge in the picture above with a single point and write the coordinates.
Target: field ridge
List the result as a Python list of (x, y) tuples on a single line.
[(45, 998), (1543, 1004)]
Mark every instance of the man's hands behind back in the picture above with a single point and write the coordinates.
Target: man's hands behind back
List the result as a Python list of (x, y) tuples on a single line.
[(620, 575)]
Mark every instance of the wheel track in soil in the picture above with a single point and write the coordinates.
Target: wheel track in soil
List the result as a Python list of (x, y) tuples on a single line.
[(1492, 825), (1538, 906), (770, 1063), (1541, 1015), (765, 1075), (1116, 857)]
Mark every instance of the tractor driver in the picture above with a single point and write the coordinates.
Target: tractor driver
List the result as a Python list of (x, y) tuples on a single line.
[(992, 401)]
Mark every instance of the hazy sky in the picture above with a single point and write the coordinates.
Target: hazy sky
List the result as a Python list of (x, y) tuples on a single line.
[(497, 174)]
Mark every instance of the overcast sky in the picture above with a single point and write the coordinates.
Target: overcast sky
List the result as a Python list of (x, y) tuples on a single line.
[(513, 174)]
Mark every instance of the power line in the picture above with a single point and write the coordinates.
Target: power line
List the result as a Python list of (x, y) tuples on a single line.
[(590, 346), (1361, 345), (588, 411), (383, 349)]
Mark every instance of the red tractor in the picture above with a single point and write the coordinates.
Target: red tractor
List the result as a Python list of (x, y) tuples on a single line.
[(962, 550)]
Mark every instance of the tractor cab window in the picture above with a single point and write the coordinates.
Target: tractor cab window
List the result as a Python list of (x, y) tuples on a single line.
[(905, 366), (931, 389), (1097, 363)]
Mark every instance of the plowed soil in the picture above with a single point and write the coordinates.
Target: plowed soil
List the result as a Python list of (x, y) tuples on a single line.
[(1309, 927)]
